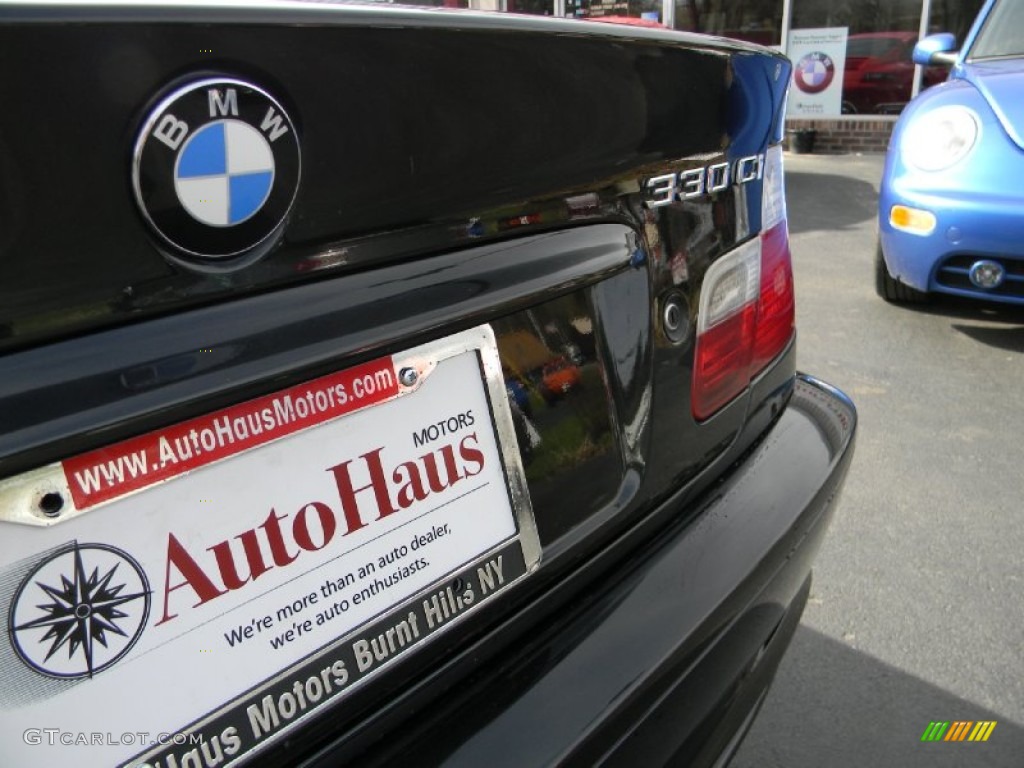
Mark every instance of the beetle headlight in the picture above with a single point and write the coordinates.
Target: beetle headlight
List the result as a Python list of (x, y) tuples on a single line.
[(940, 138)]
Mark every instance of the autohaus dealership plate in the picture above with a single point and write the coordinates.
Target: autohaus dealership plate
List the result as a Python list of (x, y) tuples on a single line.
[(187, 596)]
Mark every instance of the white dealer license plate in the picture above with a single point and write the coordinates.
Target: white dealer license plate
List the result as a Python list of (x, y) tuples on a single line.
[(188, 596)]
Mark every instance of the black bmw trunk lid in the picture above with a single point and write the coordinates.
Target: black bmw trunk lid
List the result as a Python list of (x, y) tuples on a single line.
[(419, 132)]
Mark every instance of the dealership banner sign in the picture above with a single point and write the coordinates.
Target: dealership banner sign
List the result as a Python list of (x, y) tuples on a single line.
[(218, 581), (819, 59)]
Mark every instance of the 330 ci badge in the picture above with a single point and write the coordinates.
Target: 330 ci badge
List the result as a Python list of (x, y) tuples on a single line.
[(216, 169)]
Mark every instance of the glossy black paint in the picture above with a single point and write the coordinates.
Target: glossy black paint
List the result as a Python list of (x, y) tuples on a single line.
[(458, 169), (74, 395), (415, 140), (658, 647)]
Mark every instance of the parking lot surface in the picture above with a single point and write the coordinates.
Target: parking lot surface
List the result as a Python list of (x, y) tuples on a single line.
[(917, 609)]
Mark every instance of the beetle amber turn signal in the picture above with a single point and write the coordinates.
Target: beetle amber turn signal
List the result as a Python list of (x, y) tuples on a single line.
[(912, 220)]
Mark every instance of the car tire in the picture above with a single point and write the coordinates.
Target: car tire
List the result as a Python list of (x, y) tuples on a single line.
[(891, 289)]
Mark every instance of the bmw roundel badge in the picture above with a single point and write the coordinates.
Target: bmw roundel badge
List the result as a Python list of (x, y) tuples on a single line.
[(216, 168)]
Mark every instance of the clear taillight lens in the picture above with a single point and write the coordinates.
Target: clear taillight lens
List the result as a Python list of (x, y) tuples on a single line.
[(726, 328), (746, 314)]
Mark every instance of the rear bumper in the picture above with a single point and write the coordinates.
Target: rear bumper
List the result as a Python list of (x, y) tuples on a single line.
[(661, 648)]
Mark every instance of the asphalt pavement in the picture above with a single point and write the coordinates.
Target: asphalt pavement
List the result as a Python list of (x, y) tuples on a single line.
[(917, 609)]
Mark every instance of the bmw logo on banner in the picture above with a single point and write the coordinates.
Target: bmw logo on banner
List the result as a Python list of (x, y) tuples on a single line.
[(216, 169), (814, 72)]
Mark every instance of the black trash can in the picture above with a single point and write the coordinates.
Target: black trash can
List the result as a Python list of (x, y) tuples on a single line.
[(801, 140)]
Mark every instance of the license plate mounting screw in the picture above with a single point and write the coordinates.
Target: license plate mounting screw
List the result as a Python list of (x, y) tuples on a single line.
[(408, 376), (51, 504)]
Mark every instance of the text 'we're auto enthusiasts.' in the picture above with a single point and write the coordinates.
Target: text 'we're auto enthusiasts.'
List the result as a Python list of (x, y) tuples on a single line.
[(250, 721)]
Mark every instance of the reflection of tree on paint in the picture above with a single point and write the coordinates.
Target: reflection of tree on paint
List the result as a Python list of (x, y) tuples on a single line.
[(814, 72)]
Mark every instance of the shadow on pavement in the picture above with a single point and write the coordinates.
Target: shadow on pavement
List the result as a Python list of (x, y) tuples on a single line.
[(969, 309), (828, 202), (1009, 337), (841, 708)]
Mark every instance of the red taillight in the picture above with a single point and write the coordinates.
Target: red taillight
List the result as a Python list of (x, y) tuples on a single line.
[(746, 313), (776, 308), (726, 328), (721, 369)]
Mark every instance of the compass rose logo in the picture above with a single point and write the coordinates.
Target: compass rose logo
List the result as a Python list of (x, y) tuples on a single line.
[(79, 611)]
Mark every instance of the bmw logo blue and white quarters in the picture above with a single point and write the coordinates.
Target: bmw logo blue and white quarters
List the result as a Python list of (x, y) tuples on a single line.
[(216, 170)]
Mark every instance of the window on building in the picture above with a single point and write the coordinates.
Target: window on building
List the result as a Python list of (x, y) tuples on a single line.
[(877, 70), (637, 9), (757, 21), (441, 3), (536, 7), (954, 16)]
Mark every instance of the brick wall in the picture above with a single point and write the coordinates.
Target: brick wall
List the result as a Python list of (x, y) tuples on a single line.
[(840, 137)]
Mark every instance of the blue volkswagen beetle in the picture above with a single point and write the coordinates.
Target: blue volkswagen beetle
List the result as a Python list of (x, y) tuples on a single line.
[(951, 206)]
